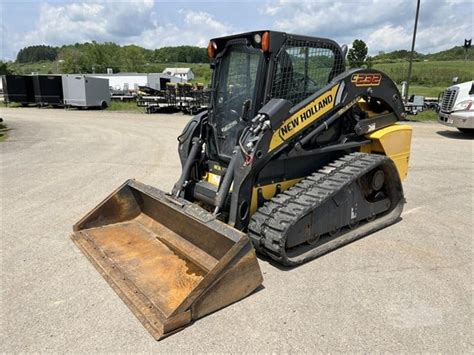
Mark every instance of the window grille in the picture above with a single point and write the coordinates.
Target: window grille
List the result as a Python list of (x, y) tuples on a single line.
[(302, 69), (241, 74)]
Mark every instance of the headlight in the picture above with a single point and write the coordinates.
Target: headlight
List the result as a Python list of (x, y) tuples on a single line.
[(257, 38), (463, 106)]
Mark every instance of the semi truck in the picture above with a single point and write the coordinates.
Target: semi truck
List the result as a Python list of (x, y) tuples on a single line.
[(457, 107)]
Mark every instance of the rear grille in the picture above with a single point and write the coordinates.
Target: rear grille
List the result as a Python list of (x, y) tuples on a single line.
[(449, 98)]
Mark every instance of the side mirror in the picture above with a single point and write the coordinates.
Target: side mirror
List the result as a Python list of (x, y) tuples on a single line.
[(245, 110)]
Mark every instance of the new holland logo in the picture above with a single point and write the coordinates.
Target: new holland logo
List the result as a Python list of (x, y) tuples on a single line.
[(304, 117), (310, 112)]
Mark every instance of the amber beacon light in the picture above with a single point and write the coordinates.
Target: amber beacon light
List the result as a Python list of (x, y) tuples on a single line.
[(265, 42)]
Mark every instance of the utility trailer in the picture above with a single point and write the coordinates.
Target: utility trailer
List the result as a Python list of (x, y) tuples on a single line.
[(48, 90), (415, 105), (85, 91), (152, 100), (18, 89), (183, 97)]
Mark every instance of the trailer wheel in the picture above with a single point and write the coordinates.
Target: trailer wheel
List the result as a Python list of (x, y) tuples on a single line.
[(103, 105)]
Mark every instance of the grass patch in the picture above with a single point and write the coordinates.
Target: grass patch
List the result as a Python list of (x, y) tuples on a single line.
[(430, 73), (126, 106), (12, 104), (42, 67), (425, 116), (429, 91), (3, 132)]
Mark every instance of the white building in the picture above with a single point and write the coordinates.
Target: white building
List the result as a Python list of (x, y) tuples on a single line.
[(185, 74), (131, 81)]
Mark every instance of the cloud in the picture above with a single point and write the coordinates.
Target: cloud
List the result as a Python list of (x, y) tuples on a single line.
[(120, 22), (387, 37), (193, 28), (384, 24), (77, 22)]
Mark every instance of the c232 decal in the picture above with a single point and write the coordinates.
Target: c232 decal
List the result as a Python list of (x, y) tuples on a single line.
[(366, 79)]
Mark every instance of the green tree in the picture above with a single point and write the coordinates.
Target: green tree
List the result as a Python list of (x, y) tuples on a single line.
[(357, 54), (181, 54), (133, 58), (36, 53), (97, 57), (4, 68), (369, 62), (74, 60)]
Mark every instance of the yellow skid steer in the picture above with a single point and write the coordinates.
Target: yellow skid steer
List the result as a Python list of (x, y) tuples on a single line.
[(294, 157)]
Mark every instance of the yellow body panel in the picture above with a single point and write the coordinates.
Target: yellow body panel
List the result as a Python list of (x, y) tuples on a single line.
[(393, 141), (304, 117), (212, 178), (364, 105), (268, 191)]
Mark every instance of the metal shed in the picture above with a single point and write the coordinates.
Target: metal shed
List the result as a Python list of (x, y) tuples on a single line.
[(18, 88), (85, 91), (48, 89)]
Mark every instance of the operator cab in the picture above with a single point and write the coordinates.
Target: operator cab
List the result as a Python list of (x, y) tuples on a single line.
[(252, 68)]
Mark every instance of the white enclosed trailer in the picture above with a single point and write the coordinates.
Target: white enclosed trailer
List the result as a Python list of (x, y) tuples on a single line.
[(127, 82), (85, 91)]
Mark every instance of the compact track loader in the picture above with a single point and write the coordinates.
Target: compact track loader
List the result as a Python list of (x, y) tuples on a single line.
[(294, 157)]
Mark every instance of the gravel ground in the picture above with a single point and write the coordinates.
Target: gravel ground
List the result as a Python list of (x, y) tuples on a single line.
[(407, 288)]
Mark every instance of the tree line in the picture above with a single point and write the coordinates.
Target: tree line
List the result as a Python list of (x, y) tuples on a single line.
[(96, 57), (36, 53), (455, 53)]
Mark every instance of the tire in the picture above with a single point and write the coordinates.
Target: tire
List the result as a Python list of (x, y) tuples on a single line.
[(103, 105)]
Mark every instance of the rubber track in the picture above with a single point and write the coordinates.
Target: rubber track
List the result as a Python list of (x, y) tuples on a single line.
[(269, 226)]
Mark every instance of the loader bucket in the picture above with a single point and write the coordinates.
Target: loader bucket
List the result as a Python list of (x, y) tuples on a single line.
[(169, 260)]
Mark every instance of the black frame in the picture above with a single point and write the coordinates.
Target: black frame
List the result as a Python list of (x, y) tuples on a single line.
[(293, 157), (215, 81)]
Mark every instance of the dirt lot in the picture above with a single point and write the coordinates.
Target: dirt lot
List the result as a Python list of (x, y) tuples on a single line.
[(407, 288)]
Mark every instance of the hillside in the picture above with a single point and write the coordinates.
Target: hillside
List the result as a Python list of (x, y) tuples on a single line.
[(455, 53), (96, 57), (431, 72), (201, 71)]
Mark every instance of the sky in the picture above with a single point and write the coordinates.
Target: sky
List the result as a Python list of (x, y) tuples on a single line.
[(385, 25)]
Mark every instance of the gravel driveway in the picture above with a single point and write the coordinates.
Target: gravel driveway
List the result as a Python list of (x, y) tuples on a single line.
[(407, 288)]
